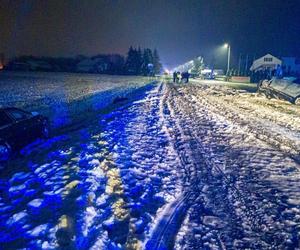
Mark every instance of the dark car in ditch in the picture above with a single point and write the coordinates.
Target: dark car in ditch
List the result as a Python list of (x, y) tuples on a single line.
[(287, 88), (18, 128)]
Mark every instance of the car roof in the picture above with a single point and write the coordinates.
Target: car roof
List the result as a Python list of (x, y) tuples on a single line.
[(9, 108)]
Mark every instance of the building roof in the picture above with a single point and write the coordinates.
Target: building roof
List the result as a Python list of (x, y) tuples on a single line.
[(265, 62)]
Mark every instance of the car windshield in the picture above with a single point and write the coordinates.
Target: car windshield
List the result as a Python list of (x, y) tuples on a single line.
[(4, 119), (18, 114)]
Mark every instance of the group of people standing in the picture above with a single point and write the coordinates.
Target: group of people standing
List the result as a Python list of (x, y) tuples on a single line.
[(181, 77)]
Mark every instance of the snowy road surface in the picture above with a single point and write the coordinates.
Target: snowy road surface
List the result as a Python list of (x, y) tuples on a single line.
[(192, 166)]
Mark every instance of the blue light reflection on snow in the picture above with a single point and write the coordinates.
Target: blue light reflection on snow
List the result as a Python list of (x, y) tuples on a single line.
[(48, 210)]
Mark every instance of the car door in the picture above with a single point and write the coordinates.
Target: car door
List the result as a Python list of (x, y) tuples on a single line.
[(22, 126), (5, 128)]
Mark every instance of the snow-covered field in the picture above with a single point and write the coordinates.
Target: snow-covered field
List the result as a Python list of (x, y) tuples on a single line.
[(64, 96), (195, 166)]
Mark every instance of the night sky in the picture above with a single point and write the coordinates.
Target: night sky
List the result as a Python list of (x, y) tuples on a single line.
[(180, 30)]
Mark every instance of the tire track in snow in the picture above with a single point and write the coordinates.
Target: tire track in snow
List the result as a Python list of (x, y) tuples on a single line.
[(268, 132), (165, 232), (257, 222), (198, 154), (252, 215), (162, 238)]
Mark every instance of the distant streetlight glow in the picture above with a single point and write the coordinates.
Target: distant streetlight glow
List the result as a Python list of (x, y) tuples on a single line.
[(167, 71)]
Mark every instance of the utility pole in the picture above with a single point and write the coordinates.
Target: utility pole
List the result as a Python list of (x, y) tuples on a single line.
[(240, 58), (246, 65), (228, 60)]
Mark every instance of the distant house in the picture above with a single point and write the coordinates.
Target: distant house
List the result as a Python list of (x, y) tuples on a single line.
[(291, 65), (92, 65), (218, 72), (23, 66), (267, 62), (37, 65), (30, 65), (101, 64)]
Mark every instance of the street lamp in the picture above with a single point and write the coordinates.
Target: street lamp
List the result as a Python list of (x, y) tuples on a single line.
[(227, 46)]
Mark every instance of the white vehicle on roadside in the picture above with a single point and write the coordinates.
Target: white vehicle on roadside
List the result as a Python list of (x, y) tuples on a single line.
[(287, 88)]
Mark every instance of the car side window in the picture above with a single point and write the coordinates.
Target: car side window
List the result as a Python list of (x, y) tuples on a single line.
[(4, 119), (18, 115)]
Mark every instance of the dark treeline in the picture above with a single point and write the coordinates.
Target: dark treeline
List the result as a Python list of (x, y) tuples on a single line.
[(138, 61), (144, 62)]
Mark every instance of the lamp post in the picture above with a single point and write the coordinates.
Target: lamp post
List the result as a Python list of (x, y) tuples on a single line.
[(226, 45)]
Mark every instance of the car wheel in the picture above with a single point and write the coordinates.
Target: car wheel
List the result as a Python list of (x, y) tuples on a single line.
[(5, 151), (46, 129), (262, 93), (297, 101)]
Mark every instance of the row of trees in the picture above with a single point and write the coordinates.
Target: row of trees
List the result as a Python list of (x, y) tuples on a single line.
[(137, 62), (146, 62)]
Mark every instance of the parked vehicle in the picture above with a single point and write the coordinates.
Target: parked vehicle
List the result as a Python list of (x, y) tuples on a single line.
[(18, 128), (208, 77), (287, 88)]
